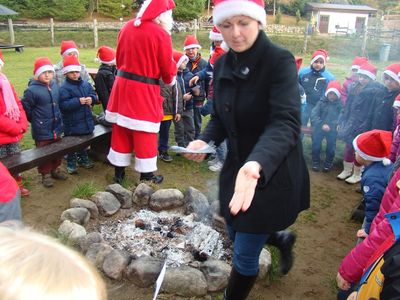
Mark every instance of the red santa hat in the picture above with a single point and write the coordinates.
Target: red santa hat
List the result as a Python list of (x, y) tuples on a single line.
[(374, 145), (218, 51), (320, 53), (71, 64), (225, 9), (396, 103), (358, 61), (298, 61), (179, 58), (215, 35), (42, 64), (333, 86), (191, 42), (368, 69), (67, 47), (106, 55), (151, 9), (1, 59), (393, 71)]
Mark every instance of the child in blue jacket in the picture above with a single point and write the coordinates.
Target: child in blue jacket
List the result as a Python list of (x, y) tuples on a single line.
[(76, 99)]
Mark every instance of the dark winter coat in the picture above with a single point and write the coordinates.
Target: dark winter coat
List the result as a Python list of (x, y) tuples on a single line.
[(104, 81), (41, 105), (258, 110), (326, 112), (382, 113), (195, 68), (173, 103), (183, 78), (77, 118), (357, 113)]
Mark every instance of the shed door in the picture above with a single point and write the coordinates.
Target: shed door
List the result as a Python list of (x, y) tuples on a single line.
[(360, 25), (323, 23)]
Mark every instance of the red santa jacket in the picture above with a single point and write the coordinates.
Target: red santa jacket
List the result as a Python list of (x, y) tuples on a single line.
[(11, 131), (8, 185), (145, 52)]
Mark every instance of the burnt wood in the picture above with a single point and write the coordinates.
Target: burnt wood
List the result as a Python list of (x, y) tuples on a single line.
[(31, 158)]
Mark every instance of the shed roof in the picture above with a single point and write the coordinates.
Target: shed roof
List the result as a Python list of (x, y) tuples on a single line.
[(340, 7), (5, 11)]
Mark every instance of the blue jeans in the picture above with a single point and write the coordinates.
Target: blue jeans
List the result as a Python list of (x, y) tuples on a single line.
[(318, 136), (246, 250), (163, 135), (306, 114), (197, 121), (72, 158), (221, 151)]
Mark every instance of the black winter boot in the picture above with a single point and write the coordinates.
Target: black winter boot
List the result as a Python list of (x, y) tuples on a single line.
[(157, 179), (119, 174), (239, 286), (284, 240)]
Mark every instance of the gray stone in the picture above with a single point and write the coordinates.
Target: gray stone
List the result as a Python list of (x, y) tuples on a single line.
[(144, 271), (79, 215), (123, 195), (97, 253), (165, 199), (142, 194), (115, 263), (184, 281), (89, 239), (89, 205), (216, 273), (107, 203), (265, 263), (197, 203), (73, 231)]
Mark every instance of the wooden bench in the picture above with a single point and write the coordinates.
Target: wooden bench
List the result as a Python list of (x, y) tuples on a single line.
[(18, 48), (92, 72), (343, 30), (99, 141)]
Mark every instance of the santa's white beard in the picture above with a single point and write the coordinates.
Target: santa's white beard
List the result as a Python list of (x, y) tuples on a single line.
[(165, 20)]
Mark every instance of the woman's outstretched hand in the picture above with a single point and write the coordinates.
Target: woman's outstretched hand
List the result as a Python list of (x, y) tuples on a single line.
[(196, 145), (245, 186)]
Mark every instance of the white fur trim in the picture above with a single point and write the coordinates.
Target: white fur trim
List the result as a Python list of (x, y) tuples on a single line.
[(367, 73), (119, 159), (71, 68), (318, 56), (224, 46), (214, 36), (336, 91), (357, 67), (192, 46), (228, 9), (68, 51), (172, 82), (363, 154), (132, 124), (396, 104), (181, 60), (44, 69), (146, 165), (1, 62), (107, 62), (137, 22), (386, 161), (392, 75)]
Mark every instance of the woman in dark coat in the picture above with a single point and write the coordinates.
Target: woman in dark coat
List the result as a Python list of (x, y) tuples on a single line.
[(264, 182)]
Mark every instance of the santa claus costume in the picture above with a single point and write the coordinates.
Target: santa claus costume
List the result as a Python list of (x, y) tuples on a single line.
[(144, 55)]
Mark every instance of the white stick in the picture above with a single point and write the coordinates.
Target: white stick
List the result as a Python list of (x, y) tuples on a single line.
[(160, 280)]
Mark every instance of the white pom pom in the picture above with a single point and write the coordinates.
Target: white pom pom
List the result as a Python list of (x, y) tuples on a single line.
[(137, 22), (224, 46), (386, 161)]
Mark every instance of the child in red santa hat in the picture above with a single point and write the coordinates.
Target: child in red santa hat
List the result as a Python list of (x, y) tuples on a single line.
[(105, 76), (355, 66)]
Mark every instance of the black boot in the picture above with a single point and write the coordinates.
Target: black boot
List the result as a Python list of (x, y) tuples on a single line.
[(284, 240), (157, 179), (119, 174), (239, 286)]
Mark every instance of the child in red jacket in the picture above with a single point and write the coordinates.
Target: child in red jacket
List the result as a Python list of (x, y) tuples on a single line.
[(10, 208)]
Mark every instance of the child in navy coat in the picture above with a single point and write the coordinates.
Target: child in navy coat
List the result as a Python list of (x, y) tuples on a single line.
[(76, 99)]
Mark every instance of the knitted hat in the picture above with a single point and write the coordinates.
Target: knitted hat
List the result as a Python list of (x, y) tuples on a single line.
[(396, 103), (393, 71), (215, 35), (71, 64), (106, 55), (374, 145), (333, 86), (225, 9), (179, 58), (218, 51), (42, 64), (191, 42), (1, 59), (320, 53), (151, 9), (67, 47), (298, 61), (358, 61), (368, 69)]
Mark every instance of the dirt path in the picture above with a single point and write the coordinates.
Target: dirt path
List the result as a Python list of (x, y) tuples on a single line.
[(325, 233)]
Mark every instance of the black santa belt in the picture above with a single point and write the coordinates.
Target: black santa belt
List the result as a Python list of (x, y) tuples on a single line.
[(135, 77)]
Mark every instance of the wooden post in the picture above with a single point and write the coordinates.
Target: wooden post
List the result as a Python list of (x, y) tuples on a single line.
[(95, 33), (52, 31), (11, 29), (208, 8), (364, 42), (195, 28), (305, 38)]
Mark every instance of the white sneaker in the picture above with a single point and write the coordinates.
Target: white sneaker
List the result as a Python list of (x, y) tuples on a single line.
[(216, 167), (213, 161)]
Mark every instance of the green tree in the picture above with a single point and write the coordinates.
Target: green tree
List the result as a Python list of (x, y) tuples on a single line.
[(298, 17), (69, 10), (278, 16), (115, 8), (188, 10)]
